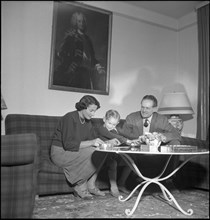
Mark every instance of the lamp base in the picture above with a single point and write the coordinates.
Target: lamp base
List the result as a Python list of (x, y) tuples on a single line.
[(177, 122)]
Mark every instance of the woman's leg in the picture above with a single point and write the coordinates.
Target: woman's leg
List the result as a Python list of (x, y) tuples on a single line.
[(77, 168), (80, 189)]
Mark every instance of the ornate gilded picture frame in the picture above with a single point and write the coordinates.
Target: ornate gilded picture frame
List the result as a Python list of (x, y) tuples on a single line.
[(80, 48)]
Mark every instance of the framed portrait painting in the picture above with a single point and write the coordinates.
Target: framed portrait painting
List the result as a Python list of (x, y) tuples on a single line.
[(80, 48)]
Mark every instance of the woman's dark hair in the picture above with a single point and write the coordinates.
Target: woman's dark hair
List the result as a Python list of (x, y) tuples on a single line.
[(152, 98), (85, 101)]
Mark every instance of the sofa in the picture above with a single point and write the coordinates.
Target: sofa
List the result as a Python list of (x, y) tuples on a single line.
[(51, 179), (19, 169)]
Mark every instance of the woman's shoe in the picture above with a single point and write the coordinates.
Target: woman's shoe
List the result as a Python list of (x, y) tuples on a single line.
[(83, 194), (95, 191)]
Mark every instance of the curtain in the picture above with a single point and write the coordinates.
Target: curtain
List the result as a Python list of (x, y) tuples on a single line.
[(203, 73)]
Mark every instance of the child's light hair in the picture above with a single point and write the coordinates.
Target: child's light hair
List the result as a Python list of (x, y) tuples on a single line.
[(112, 113)]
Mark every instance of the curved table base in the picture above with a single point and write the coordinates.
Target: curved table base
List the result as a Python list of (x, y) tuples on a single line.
[(147, 181)]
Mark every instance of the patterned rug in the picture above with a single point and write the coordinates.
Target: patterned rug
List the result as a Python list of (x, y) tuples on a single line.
[(150, 206)]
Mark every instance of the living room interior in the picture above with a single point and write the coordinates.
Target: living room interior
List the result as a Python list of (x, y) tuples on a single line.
[(150, 53)]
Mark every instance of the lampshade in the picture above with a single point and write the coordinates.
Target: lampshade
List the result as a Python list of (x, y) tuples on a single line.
[(176, 103)]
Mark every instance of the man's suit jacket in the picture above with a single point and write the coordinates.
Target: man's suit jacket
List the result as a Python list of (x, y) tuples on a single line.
[(133, 127)]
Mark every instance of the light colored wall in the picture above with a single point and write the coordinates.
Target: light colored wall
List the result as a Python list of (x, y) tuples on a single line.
[(148, 56), (188, 65)]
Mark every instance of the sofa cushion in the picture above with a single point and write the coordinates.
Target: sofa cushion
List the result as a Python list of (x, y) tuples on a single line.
[(49, 167), (53, 183)]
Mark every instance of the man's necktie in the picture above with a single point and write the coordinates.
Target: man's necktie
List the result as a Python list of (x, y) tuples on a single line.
[(146, 123)]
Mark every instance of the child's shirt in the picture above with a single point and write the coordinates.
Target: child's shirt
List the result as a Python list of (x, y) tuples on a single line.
[(106, 134)]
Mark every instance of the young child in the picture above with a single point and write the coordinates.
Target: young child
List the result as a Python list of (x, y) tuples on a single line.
[(108, 132)]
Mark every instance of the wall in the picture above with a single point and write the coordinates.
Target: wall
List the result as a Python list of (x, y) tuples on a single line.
[(148, 55), (188, 71)]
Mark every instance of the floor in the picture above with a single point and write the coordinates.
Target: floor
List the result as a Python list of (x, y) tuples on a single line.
[(152, 205)]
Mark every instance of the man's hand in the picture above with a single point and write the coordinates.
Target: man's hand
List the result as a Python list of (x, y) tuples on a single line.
[(142, 139), (163, 138)]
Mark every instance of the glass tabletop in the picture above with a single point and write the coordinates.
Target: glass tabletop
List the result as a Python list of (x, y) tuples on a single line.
[(161, 150)]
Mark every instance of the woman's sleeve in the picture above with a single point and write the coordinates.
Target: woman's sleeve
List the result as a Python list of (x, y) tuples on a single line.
[(69, 134)]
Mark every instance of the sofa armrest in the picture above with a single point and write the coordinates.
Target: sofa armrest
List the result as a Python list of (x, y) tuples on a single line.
[(196, 172), (19, 149), (19, 168), (194, 142)]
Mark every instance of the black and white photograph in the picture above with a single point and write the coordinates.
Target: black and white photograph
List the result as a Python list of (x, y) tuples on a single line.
[(105, 109)]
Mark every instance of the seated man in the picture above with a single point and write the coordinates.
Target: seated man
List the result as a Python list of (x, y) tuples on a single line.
[(148, 120)]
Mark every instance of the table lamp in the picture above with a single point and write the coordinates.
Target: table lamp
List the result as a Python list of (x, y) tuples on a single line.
[(177, 107), (3, 105)]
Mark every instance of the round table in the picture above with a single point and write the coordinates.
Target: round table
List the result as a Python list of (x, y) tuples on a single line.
[(156, 180)]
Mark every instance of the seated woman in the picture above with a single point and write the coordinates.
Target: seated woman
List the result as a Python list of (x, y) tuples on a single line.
[(73, 148)]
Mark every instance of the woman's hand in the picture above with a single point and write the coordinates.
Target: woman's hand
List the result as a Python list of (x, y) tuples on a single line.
[(97, 142), (114, 141)]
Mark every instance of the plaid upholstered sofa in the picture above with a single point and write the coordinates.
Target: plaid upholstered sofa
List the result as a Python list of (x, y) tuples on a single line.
[(51, 179), (195, 174), (19, 168)]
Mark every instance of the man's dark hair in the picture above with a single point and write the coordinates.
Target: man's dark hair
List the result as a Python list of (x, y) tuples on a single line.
[(152, 98)]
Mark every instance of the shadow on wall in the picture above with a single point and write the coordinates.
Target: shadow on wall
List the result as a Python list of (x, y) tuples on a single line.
[(175, 87), (134, 85)]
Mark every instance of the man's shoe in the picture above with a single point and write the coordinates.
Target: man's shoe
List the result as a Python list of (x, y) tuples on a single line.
[(95, 191), (123, 189)]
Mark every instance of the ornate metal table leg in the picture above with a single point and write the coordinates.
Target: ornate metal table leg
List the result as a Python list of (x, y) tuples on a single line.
[(163, 188), (168, 196)]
